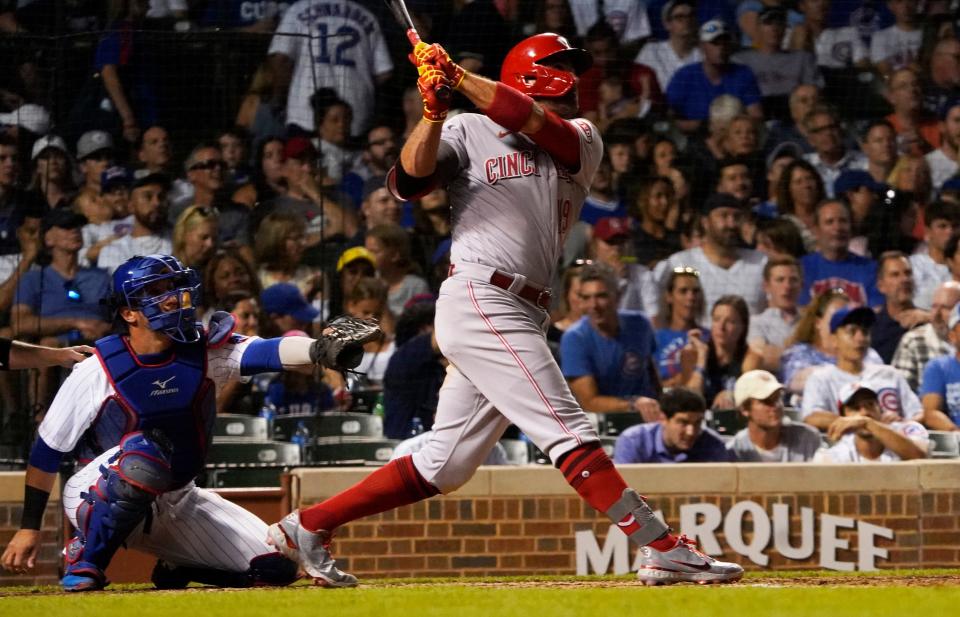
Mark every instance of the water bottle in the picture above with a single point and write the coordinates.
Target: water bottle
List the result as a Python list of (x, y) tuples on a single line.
[(301, 437), (378, 409), (416, 426), (268, 412)]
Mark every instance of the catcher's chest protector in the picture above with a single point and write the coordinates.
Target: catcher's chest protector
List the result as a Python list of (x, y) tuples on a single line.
[(175, 397)]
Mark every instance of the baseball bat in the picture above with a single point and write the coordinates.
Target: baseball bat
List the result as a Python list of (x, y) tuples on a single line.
[(402, 15)]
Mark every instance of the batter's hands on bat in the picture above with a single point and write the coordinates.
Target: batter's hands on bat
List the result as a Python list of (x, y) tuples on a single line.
[(434, 108), (434, 55), (21, 554)]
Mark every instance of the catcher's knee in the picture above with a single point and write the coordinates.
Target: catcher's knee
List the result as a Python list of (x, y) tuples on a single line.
[(272, 569)]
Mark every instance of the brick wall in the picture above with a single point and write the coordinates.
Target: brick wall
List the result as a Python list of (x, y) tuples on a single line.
[(11, 509)]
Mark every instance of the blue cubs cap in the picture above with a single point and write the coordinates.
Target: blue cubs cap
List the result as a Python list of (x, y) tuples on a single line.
[(286, 299), (860, 315), (113, 177)]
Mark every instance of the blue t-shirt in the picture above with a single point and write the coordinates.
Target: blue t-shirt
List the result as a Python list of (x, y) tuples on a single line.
[(690, 92), (856, 275), (621, 366), (942, 377), (50, 295), (669, 344), (643, 443), (593, 210)]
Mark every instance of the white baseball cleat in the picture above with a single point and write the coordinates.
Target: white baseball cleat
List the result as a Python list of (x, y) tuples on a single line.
[(309, 549), (684, 563)]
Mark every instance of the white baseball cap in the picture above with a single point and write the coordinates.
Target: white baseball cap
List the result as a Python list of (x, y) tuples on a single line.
[(713, 29), (48, 141), (848, 391), (32, 117), (755, 384)]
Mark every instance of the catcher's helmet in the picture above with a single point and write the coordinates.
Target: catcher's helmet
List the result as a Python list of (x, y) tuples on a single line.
[(523, 68), (146, 283)]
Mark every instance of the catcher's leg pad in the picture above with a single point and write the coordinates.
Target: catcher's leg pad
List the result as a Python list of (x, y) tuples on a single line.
[(121, 498), (646, 526)]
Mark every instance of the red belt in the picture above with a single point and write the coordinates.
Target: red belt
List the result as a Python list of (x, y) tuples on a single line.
[(539, 296)]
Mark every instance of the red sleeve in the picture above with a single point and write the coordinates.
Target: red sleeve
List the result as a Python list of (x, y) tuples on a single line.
[(560, 139)]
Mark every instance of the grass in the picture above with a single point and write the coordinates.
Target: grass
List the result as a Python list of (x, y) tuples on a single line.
[(463, 598)]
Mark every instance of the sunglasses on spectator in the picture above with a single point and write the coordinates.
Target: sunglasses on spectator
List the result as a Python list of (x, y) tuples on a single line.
[(208, 165), (687, 270)]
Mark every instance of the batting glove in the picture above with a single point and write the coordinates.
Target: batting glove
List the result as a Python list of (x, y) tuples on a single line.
[(434, 108), (434, 55)]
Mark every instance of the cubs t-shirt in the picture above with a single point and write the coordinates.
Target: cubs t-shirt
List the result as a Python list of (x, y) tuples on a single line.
[(942, 377), (855, 275), (845, 450), (620, 365), (822, 390)]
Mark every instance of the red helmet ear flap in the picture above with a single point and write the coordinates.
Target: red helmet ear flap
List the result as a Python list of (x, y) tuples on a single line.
[(524, 67)]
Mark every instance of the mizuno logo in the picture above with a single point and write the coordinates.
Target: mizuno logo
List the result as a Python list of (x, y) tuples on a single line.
[(162, 388)]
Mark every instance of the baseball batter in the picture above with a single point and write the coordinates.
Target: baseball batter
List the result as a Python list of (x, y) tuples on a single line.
[(517, 176), (139, 415)]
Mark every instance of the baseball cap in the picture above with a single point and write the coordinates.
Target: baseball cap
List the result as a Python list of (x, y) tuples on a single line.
[(786, 148), (143, 177), (32, 117), (286, 299), (772, 14), (112, 177), (48, 141), (860, 315), (64, 218), (299, 148), (611, 228), (92, 142), (721, 200), (713, 30), (850, 390), (755, 384), (853, 179), (354, 253)]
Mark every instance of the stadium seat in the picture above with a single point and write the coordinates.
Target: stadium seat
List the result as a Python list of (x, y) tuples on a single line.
[(792, 414), (725, 421), (518, 451), (608, 443), (616, 423), (262, 477), (335, 424), (239, 427), (351, 451), (252, 453), (944, 444)]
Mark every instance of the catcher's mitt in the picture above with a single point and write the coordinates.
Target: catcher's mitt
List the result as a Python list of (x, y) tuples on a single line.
[(340, 346)]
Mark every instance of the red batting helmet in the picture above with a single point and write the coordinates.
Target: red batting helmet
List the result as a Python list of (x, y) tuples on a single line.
[(523, 68)]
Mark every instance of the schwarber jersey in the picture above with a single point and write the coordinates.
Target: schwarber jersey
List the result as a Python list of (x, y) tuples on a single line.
[(87, 388), (508, 182)]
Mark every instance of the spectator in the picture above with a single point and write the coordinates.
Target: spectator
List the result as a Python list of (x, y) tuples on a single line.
[(235, 395), (680, 49), (20, 215), (694, 86), (941, 220), (95, 153), (554, 16), (195, 237), (285, 309), (920, 345), (278, 249), (898, 314), (831, 156), (390, 247), (879, 145), (898, 46), (379, 206), (851, 329), (892, 225), (802, 100), (835, 48), (767, 438), (226, 275), (569, 309), (770, 329), (863, 433), (628, 19), (602, 200), (260, 112), (433, 223), (778, 238), (726, 352), (636, 287), (607, 357), (354, 264), (51, 180), (414, 374), (108, 216), (681, 310), (777, 71), (679, 438), (704, 154), (653, 239), (206, 175), (833, 265), (368, 300), (862, 193), (943, 78), (734, 178), (776, 163), (799, 191), (940, 392), (943, 161), (917, 131), (267, 177), (333, 116), (148, 205), (355, 69), (234, 144), (153, 150), (750, 18), (724, 266), (380, 152)]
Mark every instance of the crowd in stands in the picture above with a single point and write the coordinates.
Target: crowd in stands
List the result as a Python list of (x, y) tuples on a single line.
[(775, 223)]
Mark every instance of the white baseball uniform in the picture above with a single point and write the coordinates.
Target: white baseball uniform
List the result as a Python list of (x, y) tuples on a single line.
[(512, 208), (189, 526), (334, 44), (822, 390)]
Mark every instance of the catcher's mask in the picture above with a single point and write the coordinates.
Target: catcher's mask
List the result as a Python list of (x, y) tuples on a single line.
[(147, 283)]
